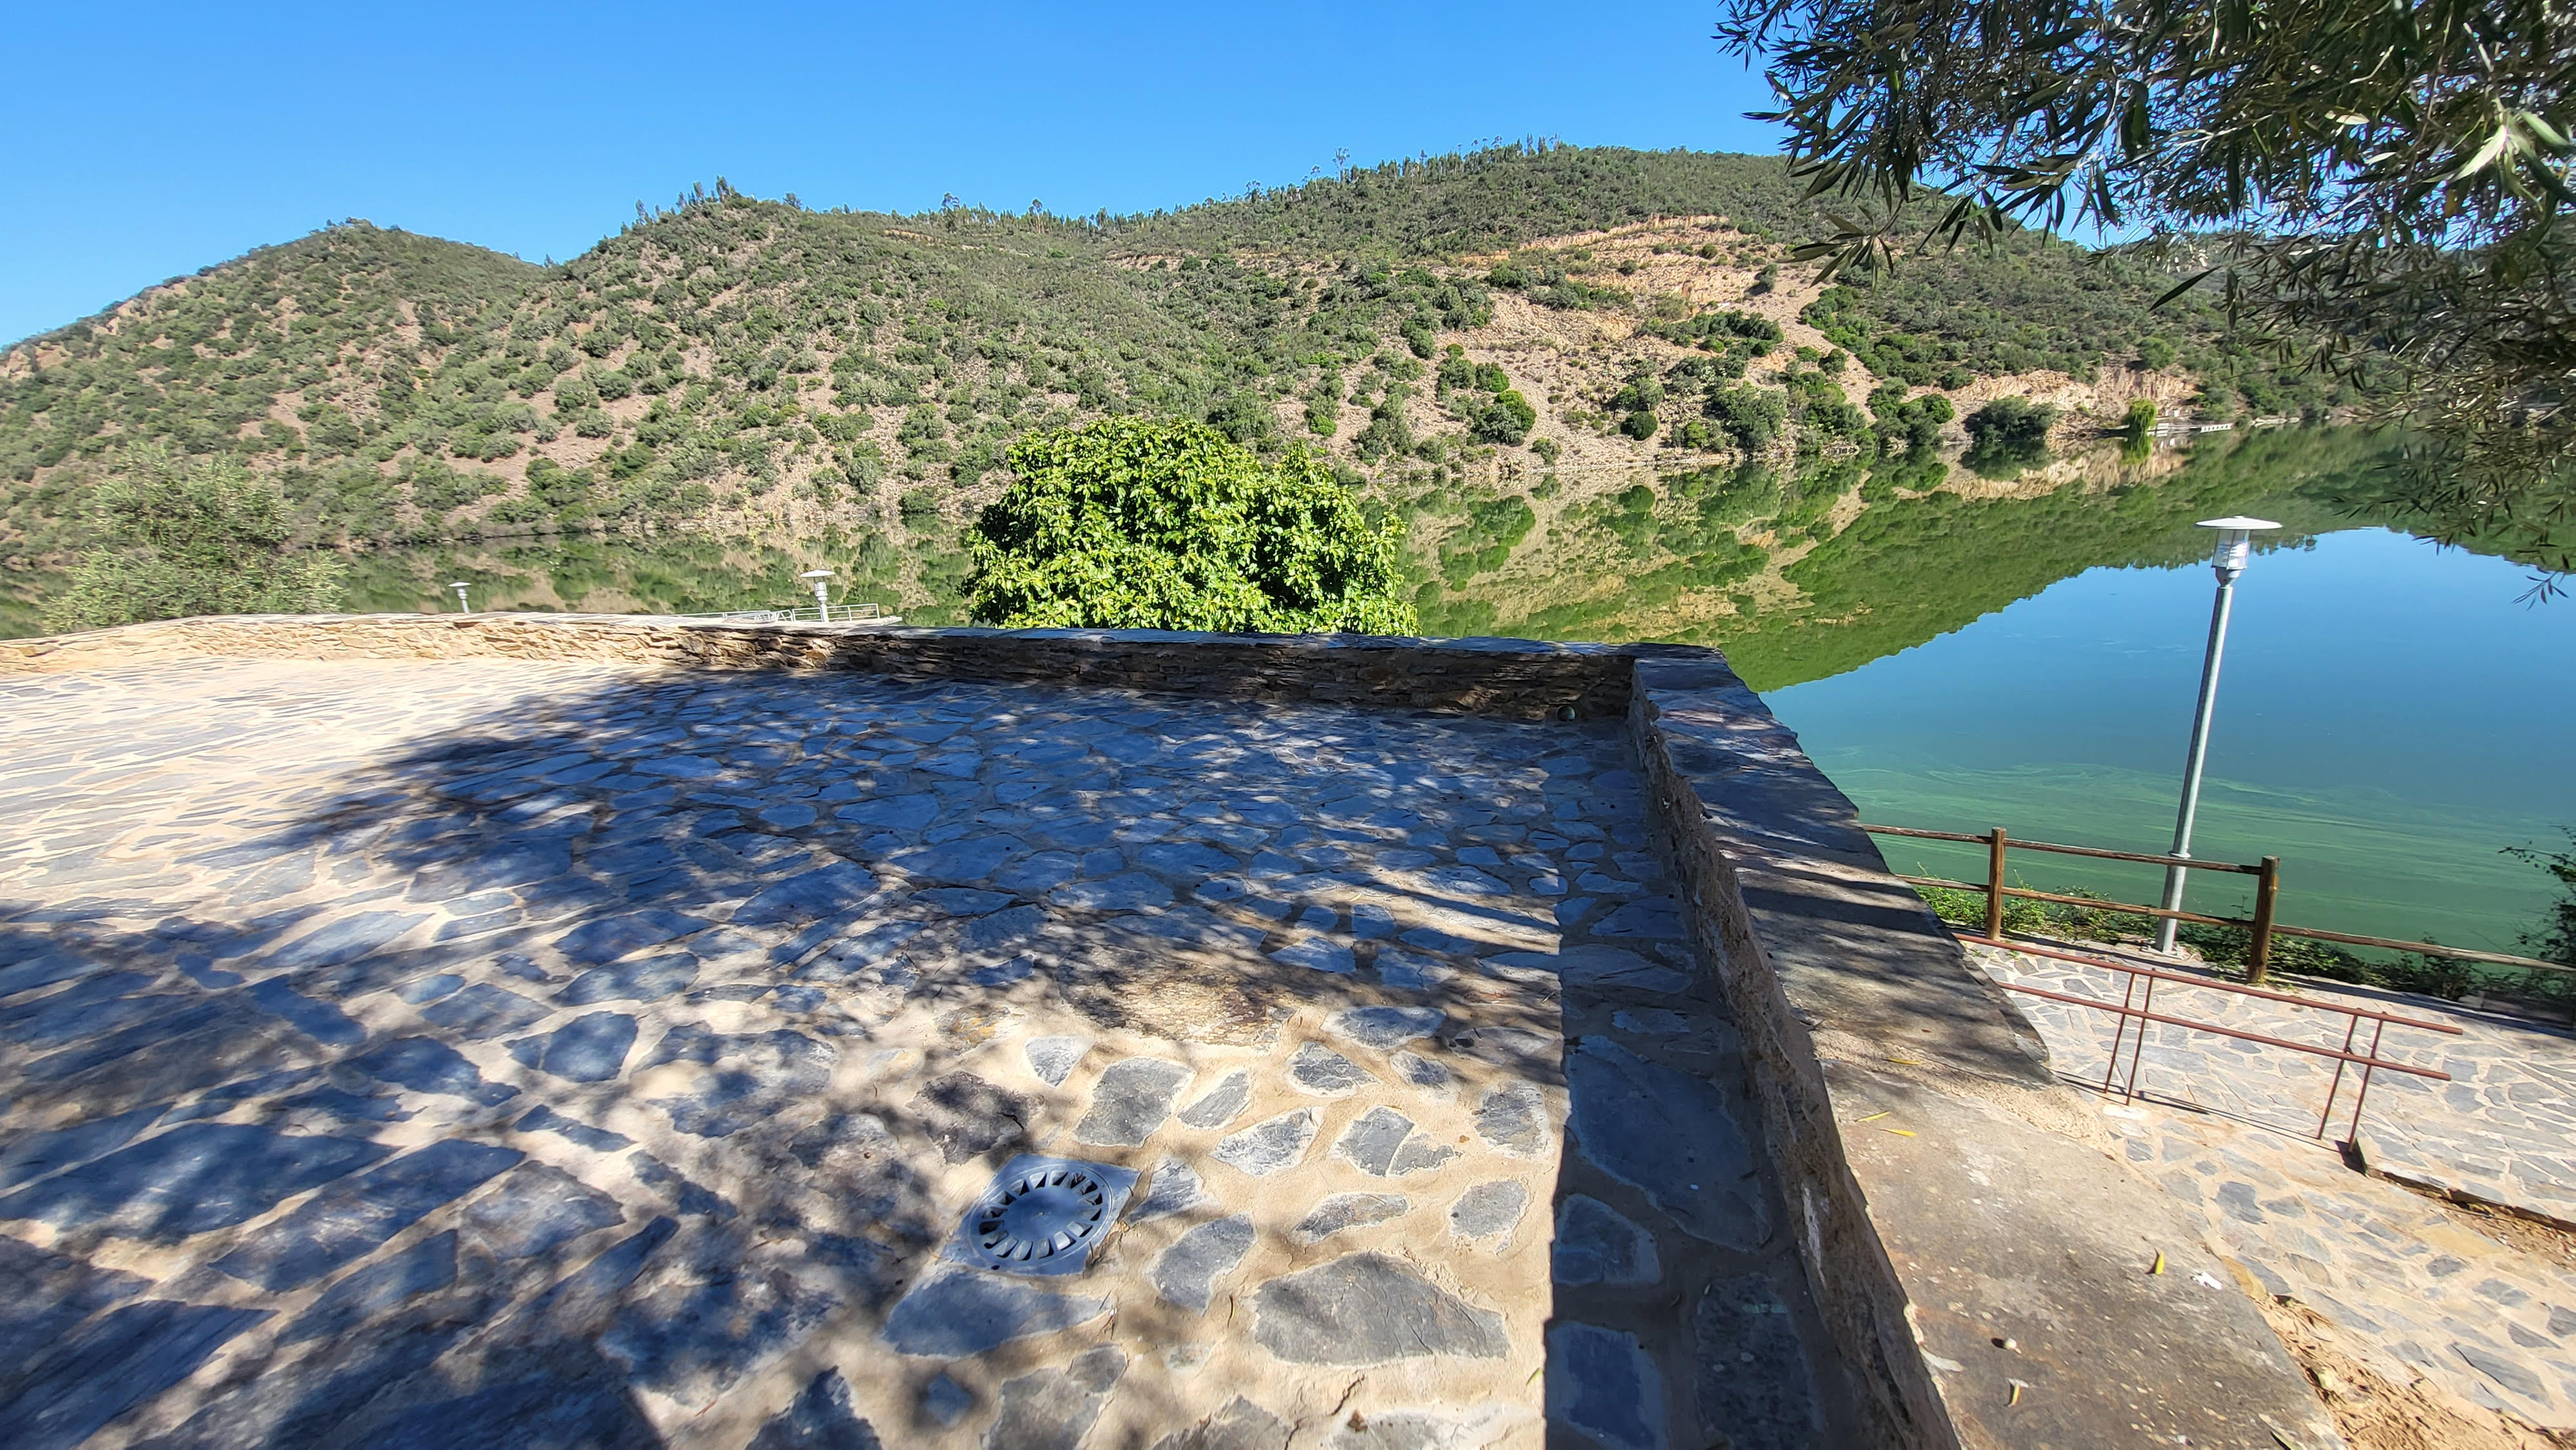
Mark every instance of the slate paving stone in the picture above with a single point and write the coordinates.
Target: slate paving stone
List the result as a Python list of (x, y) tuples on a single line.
[(43, 1294), (957, 1313), (589, 1048), (823, 1417), (542, 1413), (320, 1021), (482, 1011), (1187, 1272), (1270, 1145), (1652, 918), (357, 1215), (189, 1180), (1133, 891), (944, 1401), (648, 980), (1489, 1209), (426, 1065), (109, 1366), (1340, 1211), (1513, 1119), (37, 1154), (1176, 1188), (972, 859), (714, 1310), (1053, 1059), (1370, 1308), (826, 891), (1385, 1028), (1603, 1384), (1596, 1244), (1238, 1425), (747, 1078), (537, 1208), (372, 1289), (1602, 968), (1669, 1134), (1223, 1103), (343, 939), (1750, 1371), (1053, 1409), (1131, 1100), (1320, 954), (1325, 1073), (543, 1119), (608, 938), (968, 1117)]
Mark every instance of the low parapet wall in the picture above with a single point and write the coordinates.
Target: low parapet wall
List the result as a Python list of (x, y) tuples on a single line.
[(1984, 1265), (1514, 679)]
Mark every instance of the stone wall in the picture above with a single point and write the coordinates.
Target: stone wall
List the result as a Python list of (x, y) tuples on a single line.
[(1987, 1268), (1982, 1262), (1513, 679)]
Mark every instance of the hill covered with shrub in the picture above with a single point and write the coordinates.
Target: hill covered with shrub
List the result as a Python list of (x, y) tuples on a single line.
[(1466, 324)]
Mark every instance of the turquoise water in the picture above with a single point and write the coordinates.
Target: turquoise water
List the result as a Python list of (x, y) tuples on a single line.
[(2390, 717)]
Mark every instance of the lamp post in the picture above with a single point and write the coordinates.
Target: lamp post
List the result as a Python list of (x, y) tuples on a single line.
[(2235, 547), (461, 606), (821, 579)]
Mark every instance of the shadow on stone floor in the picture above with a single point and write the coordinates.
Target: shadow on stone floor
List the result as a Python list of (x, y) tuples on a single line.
[(530, 1024)]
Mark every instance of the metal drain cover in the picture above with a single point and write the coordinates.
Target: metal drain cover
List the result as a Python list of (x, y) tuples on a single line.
[(1042, 1215)]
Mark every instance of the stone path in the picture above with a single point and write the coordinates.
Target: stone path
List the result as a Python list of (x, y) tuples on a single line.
[(393, 1053), (2227, 1126)]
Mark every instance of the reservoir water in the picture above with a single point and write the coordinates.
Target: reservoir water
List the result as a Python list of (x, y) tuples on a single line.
[(2389, 719)]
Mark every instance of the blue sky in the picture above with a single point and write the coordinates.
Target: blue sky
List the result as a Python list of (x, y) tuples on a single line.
[(165, 138)]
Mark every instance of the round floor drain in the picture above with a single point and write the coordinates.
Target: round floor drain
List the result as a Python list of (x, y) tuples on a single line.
[(1044, 1215), (1040, 1215)]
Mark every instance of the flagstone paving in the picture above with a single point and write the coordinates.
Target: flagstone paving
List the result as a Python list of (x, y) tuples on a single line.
[(485, 1052), (2228, 1127)]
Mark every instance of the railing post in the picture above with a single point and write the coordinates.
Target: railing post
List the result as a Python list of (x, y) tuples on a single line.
[(2267, 887), (1995, 884)]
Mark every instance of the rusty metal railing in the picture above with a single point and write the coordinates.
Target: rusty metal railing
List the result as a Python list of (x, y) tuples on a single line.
[(2130, 1007)]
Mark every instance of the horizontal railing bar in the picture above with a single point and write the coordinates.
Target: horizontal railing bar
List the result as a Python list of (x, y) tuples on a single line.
[(2374, 1062), (2011, 844), (2238, 988), (1931, 835), (2425, 948), (1979, 887)]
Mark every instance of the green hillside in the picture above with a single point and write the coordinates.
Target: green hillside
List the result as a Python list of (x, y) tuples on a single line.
[(1464, 325)]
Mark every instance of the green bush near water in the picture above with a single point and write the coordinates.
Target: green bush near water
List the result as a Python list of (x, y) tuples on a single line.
[(181, 539), (1131, 523)]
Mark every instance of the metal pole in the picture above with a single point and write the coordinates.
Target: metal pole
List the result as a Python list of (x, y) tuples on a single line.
[(2199, 753)]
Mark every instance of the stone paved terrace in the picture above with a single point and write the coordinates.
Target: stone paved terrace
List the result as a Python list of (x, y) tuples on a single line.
[(502, 1053), (2414, 1287)]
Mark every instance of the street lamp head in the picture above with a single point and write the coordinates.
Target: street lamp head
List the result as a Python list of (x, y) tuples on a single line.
[(2235, 542), (815, 574)]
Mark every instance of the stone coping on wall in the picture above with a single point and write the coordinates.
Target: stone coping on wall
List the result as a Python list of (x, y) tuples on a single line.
[(1987, 1269)]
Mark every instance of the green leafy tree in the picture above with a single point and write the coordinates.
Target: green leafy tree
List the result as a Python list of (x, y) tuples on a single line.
[(2555, 938), (181, 539), (1131, 523), (2007, 433), (1751, 416), (1506, 418)]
